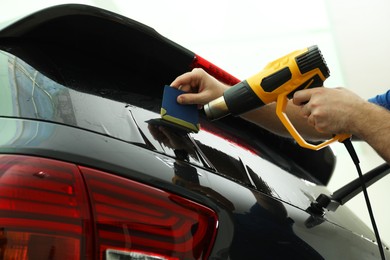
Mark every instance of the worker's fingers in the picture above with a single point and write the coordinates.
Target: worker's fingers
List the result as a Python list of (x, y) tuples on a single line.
[(193, 98), (302, 97), (188, 80), (305, 111), (181, 80), (187, 88), (311, 120), (201, 87), (319, 126)]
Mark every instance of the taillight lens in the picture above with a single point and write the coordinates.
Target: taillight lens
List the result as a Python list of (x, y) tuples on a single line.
[(135, 219), (43, 210), (56, 210)]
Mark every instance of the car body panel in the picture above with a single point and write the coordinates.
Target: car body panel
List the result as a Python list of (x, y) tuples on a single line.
[(66, 98)]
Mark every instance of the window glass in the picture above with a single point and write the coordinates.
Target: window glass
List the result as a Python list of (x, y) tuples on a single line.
[(28, 93)]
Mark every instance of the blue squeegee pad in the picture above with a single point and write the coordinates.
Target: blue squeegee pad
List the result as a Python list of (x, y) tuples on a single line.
[(183, 115)]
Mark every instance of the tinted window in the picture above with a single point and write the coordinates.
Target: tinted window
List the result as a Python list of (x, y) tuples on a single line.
[(30, 94), (27, 93)]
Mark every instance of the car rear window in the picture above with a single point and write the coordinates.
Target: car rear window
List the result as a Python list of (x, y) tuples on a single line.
[(27, 93)]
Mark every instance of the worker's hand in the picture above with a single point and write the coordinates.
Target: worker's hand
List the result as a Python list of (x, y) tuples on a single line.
[(201, 87), (330, 110)]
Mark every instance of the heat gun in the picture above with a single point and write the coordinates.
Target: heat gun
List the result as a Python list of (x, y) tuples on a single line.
[(277, 82)]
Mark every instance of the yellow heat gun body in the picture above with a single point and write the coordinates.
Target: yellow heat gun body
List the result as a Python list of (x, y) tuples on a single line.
[(277, 82)]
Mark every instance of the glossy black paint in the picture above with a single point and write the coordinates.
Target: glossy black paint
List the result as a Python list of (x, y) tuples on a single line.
[(91, 105), (252, 224)]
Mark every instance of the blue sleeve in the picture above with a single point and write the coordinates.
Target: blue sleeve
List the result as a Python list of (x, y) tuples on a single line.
[(382, 100)]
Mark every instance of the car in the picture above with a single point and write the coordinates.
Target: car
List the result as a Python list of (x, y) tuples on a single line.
[(89, 171)]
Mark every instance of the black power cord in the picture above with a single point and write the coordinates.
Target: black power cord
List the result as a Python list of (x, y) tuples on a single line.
[(355, 159)]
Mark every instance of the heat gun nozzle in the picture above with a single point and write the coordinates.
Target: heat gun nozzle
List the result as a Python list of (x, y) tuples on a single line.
[(216, 109)]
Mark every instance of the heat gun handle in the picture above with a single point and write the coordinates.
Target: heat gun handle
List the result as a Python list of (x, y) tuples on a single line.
[(281, 104)]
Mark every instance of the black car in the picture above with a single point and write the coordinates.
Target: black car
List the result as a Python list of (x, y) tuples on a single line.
[(88, 172)]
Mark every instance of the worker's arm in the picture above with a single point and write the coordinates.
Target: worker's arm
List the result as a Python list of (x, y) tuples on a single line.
[(332, 110), (203, 88), (265, 117), (316, 113), (374, 128), (342, 111)]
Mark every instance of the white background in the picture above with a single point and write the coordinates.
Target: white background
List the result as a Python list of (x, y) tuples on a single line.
[(243, 36)]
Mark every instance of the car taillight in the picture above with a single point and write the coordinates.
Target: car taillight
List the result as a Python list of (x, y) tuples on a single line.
[(136, 221), (213, 70), (43, 210), (56, 210)]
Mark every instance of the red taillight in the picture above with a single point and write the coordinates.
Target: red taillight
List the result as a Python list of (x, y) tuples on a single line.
[(56, 210), (43, 209), (133, 218), (214, 70)]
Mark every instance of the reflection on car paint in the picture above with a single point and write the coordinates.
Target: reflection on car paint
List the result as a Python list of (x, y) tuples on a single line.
[(166, 139)]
